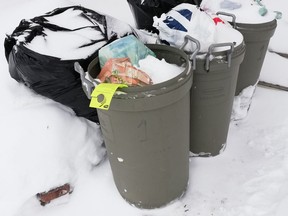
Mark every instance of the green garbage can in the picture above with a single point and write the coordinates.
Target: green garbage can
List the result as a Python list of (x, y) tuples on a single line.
[(212, 95), (256, 37), (146, 132)]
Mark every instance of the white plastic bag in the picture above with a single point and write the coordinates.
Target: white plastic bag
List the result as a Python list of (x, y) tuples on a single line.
[(186, 19)]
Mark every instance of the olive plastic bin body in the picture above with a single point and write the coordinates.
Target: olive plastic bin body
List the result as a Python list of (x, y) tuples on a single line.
[(256, 37), (212, 96), (146, 132)]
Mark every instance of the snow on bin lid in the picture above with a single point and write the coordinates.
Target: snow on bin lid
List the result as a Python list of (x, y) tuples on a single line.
[(187, 19), (246, 11)]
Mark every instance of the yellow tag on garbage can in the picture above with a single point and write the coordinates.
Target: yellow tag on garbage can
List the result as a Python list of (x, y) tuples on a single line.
[(102, 95)]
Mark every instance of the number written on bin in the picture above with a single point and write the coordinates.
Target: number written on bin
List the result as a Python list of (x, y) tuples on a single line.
[(142, 130)]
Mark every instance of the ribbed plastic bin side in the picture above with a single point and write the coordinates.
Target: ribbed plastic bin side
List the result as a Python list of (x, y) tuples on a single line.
[(146, 132), (212, 96)]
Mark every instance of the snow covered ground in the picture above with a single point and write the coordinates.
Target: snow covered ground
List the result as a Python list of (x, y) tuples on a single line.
[(43, 144)]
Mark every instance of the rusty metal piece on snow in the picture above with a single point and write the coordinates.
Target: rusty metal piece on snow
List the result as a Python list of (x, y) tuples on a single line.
[(54, 193)]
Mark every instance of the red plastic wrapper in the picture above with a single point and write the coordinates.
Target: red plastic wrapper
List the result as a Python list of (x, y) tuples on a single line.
[(121, 70)]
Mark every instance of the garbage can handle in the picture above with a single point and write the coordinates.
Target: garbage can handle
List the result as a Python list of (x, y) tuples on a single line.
[(87, 85), (195, 52), (230, 15), (210, 51)]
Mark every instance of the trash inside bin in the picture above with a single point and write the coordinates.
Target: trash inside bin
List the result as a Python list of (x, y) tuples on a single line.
[(144, 11), (128, 46), (146, 132)]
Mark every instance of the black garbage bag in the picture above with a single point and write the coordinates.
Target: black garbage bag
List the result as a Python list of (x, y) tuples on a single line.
[(41, 52), (144, 10)]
